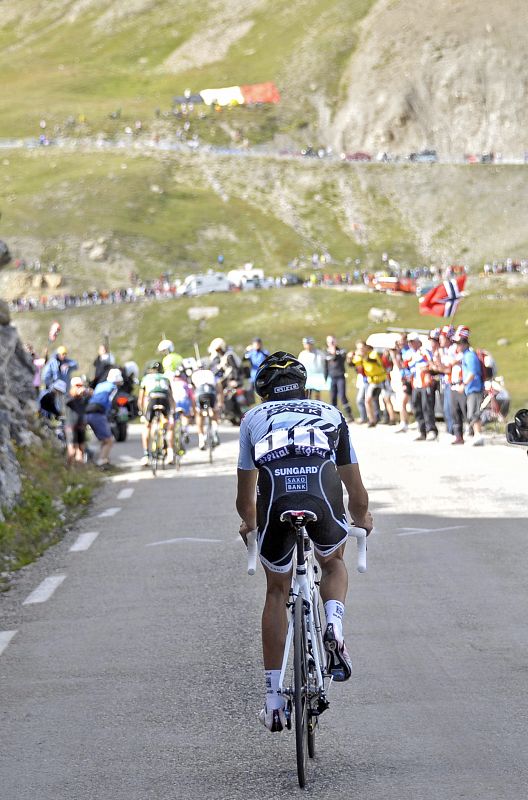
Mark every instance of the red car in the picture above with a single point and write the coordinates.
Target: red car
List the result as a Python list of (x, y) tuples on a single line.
[(359, 156)]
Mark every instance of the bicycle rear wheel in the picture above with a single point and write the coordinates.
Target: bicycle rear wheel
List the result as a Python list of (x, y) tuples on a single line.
[(178, 441), (209, 439), (153, 448), (300, 673)]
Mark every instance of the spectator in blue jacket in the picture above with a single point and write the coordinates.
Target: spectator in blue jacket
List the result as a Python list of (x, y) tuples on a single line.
[(59, 368), (472, 381), (255, 354), (98, 410)]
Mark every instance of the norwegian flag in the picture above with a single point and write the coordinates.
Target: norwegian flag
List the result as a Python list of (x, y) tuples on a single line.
[(443, 300)]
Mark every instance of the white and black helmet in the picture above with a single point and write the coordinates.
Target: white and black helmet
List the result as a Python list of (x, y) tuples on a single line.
[(166, 346), (279, 376)]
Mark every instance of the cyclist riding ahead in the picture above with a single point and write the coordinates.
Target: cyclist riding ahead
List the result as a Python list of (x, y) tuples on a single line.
[(155, 390), (295, 454), (206, 398)]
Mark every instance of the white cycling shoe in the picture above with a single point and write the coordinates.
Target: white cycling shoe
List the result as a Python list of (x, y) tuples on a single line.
[(274, 719), (339, 663), (144, 461)]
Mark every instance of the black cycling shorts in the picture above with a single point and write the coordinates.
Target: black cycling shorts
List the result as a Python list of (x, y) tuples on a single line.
[(160, 400), (206, 399), (299, 484)]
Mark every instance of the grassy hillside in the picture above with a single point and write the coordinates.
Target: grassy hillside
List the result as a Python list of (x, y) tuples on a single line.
[(93, 57), (282, 317), (175, 212)]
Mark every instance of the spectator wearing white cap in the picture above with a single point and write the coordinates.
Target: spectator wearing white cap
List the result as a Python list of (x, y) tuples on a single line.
[(419, 362), (314, 363)]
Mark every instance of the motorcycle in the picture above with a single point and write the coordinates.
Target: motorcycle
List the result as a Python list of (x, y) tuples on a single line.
[(121, 413), (237, 400)]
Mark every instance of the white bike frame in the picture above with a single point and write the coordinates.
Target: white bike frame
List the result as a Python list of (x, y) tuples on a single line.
[(303, 582)]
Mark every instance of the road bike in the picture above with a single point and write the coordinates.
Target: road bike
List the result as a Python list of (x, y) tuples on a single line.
[(304, 678), (206, 411), (179, 437), (157, 441)]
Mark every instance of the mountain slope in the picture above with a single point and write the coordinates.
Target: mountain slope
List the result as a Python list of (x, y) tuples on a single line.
[(357, 74)]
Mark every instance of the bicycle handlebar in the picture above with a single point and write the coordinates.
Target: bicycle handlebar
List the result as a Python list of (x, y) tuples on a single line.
[(252, 552), (361, 537)]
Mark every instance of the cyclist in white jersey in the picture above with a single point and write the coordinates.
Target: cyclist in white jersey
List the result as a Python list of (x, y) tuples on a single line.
[(206, 396), (297, 453)]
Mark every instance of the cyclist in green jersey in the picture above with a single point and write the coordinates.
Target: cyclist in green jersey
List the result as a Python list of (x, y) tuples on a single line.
[(155, 390)]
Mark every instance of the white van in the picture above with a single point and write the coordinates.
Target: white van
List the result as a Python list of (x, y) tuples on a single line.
[(247, 277), (205, 283)]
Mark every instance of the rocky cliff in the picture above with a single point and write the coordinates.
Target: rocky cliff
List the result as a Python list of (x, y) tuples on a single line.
[(17, 407)]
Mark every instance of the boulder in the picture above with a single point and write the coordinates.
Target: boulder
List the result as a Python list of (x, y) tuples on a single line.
[(17, 410), (98, 252), (53, 280), (5, 255), (381, 315), (5, 313)]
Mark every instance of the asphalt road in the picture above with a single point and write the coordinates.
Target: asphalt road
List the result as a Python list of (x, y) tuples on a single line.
[(140, 677)]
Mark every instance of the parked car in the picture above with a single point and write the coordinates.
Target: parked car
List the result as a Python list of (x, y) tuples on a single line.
[(424, 157), (291, 279), (359, 156)]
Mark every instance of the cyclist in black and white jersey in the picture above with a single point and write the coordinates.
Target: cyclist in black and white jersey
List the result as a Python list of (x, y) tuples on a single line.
[(297, 453)]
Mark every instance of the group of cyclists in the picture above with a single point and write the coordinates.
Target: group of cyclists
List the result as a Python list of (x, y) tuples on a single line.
[(192, 388)]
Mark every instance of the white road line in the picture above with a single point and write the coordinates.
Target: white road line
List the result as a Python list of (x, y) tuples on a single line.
[(125, 494), (414, 531), (5, 638), (181, 539), (109, 512), (128, 459), (84, 541), (45, 590)]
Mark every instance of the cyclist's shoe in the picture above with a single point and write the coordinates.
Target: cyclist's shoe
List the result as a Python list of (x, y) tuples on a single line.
[(201, 441), (170, 455), (339, 663), (274, 719), (216, 440), (144, 461)]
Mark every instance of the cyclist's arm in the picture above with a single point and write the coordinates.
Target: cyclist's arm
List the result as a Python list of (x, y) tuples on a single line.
[(357, 496), (246, 499)]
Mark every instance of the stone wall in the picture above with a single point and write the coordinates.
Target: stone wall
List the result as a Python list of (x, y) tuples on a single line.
[(17, 407)]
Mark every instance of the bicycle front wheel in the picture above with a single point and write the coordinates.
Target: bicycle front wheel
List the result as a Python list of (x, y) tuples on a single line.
[(300, 672), (209, 439), (153, 450)]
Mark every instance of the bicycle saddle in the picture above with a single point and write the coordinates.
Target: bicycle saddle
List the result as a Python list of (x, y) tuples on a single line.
[(298, 518)]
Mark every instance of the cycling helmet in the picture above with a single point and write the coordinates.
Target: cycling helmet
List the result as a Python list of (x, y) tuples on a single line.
[(153, 366), (216, 345), (115, 376), (280, 376), (166, 346)]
